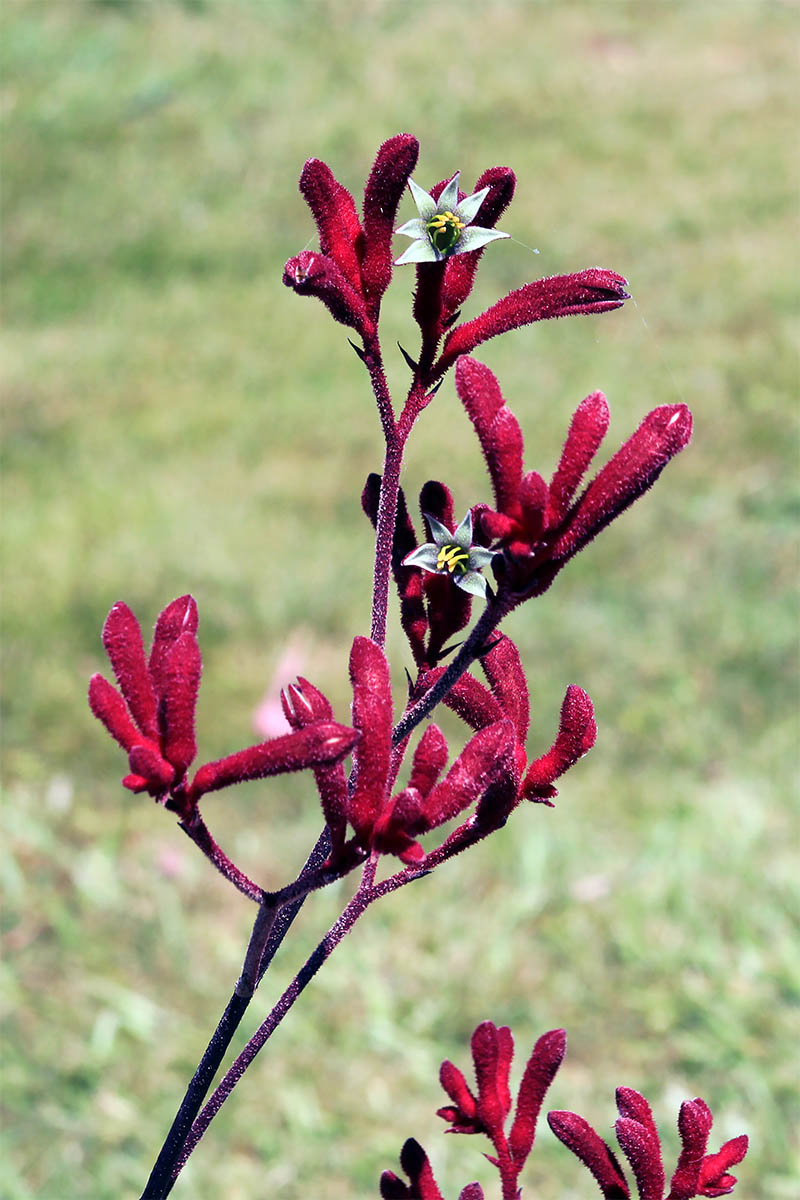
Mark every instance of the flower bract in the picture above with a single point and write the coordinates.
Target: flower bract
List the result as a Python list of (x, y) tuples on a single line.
[(444, 226)]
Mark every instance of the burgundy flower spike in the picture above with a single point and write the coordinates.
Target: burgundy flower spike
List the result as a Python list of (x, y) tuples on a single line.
[(152, 716), (486, 1111), (697, 1173), (539, 527)]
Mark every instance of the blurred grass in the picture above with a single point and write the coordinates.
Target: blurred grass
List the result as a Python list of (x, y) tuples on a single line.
[(175, 420)]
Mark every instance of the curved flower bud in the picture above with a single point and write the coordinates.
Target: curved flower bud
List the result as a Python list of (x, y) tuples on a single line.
[(340, 235), (312, 274), (593, 291), (577, 733), (323, 742), (387, 180)]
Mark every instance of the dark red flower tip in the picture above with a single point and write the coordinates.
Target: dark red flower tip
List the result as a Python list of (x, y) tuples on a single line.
[(540, 1071), (642, 1148), (492, 1052), (421, 1186), (634, 468), (498, 431), (503, 669), (471, 774), (577, 733), (177, 618), (122, 639), (579, 1137), (694, 1125), (714, 1179), (109, 707), (587, 429), (340, 234), (323, 742), (595, 290), (430, 759), (463, 1115), (387, 180), (312, 274), (303, 704), (372, 718)]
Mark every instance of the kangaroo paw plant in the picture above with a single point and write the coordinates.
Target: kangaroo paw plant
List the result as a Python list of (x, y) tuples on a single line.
[(460, 569)]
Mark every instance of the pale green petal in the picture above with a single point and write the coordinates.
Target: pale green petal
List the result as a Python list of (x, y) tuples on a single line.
[(419, 252), (463, 535), (439, 532), (426, 205), (468, 208), (474, 237), (449, 197), (480, 557), (471, 582), (424, 556), (415, 228)]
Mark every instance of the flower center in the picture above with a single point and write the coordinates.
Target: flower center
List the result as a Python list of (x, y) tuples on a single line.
[(444, 230), (452, 558)]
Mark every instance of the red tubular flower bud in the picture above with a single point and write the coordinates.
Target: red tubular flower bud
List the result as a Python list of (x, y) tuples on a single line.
[(469, 699), (430, 759), (593, 291), (312, 274), (643, 1151), (492, 1052), (178, 617), (497, 429), (303, 704), (414, 1162), (577, 732), (533, 504), (473, 1191), (323, 742), (387, 180), (340, 235), (372, 718), (579, 1137), (633, 469), (587, 430), (541, 1068), (147, 763), (714, 1178), (181, 671), (464, 1117), (503, 669), (694, 1125), (122, 638), (469, 777), (109, 707), (459, 274)]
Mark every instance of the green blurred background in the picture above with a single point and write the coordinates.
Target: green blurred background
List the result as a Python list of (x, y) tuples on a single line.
[(176, 420)]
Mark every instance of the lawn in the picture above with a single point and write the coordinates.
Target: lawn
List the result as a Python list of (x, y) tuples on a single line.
[(176, 420)]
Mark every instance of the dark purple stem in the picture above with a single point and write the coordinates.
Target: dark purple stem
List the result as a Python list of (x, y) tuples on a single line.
[(195, 828), (161, 1177), (471, 649), (367, 893)]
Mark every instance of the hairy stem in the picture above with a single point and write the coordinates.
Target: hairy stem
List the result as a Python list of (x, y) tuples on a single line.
[(367, 893), (160, 1182), (196, 829)]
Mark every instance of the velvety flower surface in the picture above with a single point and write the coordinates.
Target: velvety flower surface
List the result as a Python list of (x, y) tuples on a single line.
[(152, 715), (444, 225), (696, 1174), (452, 553)]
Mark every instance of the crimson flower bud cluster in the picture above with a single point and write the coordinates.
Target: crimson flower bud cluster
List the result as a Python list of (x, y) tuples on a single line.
[(485, 1110)]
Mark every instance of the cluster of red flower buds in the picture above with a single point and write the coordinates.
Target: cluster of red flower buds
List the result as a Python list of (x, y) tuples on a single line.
[(697, 1173), (486, 1111), (539, 527), (353, 268), (152, 715)]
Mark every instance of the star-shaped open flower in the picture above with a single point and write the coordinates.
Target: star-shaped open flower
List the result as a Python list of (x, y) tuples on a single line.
[(453, 554), (444, 226)]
